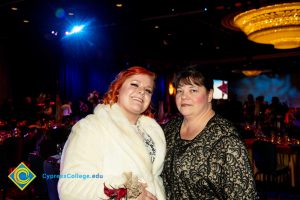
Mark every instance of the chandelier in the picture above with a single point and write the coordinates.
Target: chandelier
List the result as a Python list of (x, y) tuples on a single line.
[(277, 24), (251, 72)]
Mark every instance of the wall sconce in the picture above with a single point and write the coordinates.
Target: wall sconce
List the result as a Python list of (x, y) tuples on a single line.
[(171, 89)]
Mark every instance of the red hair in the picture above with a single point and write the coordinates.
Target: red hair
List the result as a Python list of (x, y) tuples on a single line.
[(111, 96)]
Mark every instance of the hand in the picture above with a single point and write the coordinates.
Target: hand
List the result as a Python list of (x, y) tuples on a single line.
[(145, 195)]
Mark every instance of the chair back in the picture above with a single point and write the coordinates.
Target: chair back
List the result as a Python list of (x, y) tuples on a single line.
[(264, 155), (13, 148), (59, 134)]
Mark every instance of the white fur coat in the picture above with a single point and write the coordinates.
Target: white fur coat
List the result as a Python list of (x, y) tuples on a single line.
[(106, 143)]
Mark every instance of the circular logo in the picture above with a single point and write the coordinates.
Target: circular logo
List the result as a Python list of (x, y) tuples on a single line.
[(21, 176)]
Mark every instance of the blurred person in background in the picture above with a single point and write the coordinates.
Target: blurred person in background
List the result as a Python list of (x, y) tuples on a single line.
[(249, 109), (66, 109)]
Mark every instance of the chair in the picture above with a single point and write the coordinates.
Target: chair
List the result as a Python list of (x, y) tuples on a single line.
[(39, 184), (51, 169), (269, 172), (296, 149), (59, 135)]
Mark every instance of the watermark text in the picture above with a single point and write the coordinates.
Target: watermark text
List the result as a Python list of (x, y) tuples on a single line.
[(72, 176)]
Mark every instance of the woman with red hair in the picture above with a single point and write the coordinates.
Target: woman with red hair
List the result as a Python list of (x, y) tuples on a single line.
[(120, 142)]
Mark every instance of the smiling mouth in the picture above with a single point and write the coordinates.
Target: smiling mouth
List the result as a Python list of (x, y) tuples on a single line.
[(137, 99)]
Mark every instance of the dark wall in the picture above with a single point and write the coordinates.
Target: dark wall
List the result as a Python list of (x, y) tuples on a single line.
[(5, 85)]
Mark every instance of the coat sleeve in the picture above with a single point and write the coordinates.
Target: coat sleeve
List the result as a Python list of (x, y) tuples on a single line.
[(81, 159)]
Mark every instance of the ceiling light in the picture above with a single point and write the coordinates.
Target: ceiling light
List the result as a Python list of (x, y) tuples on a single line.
[(277, 24), (251, 72), (14, 8)]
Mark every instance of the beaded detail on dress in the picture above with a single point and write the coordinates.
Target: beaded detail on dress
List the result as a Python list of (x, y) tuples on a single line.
[(150, 146)]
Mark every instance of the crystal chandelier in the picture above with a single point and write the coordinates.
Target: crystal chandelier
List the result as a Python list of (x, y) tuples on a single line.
[(277, 24)]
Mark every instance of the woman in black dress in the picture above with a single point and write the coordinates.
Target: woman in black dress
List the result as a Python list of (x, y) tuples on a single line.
[(206, 159)]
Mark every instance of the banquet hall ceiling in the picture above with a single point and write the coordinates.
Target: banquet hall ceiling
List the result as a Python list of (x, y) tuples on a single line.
[(163, 32)]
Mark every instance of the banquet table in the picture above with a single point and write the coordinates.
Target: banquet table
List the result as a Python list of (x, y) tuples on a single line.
[(287, 154)]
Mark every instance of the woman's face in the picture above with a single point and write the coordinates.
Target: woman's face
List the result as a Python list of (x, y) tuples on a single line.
[(193, 100), (135, 95)]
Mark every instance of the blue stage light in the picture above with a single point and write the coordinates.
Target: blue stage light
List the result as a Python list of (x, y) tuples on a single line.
[(75, 29)]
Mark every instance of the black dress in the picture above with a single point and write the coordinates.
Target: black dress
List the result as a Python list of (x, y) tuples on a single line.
[(214, 165)]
